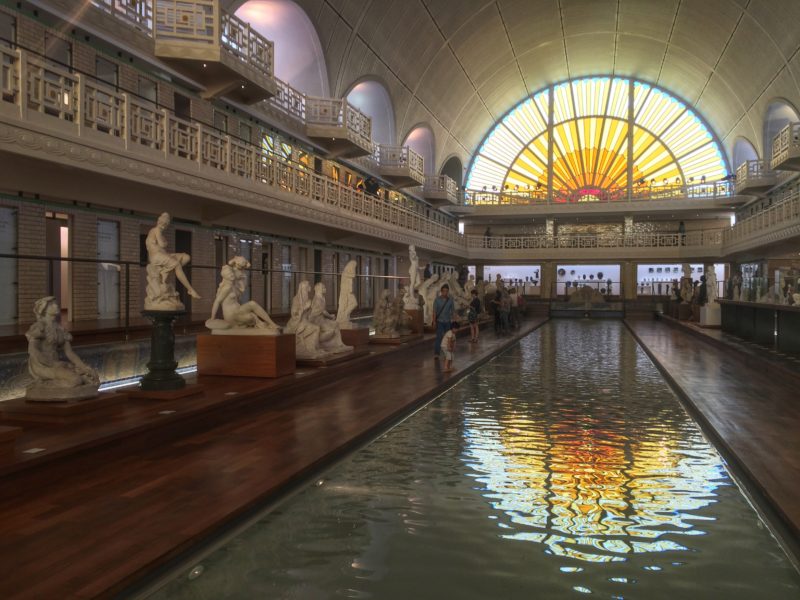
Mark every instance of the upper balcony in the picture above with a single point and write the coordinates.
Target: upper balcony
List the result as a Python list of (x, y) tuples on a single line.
[(778, 224), (399, 165), (754, 177), (218, 50), (786, 149), (440, 190), (338, 126)]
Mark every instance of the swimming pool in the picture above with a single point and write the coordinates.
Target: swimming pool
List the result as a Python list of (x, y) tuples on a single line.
[(565, 466)]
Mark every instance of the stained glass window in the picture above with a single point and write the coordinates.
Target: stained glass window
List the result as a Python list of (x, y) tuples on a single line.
[(600, 126)]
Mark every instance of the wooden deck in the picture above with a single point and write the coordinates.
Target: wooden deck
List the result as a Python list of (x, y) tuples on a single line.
[(753, 414), (104, 505)]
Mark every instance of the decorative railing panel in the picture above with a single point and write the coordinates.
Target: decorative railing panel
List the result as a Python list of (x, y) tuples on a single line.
[(246, 44), (103, 108), (782, 215), (145, 123), (193, 21), (400, 157), (786, 144), (9, 74), (51, 90), (695, 239), (441, 184), (289, 101), (138, 13)]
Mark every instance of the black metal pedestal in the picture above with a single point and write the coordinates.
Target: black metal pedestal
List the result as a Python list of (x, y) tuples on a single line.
[(161, 375)]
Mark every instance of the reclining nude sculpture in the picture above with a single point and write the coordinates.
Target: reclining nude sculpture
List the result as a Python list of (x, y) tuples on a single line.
[(238, 319), (306, 333), (161, 294), (330, 337), (347, 299), (55, 380)]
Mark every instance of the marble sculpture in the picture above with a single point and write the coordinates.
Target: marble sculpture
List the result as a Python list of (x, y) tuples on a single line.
[(410, 299), (711, 284), (428, 291), (386, 316), (238, 319), (161, 294), (330, 335), (347, 299), (55, 380), (306, 333)]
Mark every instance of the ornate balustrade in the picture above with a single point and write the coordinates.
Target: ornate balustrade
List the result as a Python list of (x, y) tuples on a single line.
[(710, 239), (338, 126), (778, 222), (440, 189), (287, 100), (138, 13), (540, 196), (754, 176), (400, 165), (786, 148), (82, 107), (247, 44)]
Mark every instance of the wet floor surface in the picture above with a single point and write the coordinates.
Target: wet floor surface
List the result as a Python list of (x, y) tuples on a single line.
[(564, 467)]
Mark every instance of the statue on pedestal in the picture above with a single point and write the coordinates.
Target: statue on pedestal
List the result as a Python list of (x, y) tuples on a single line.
[(687, 288), (347, 299), (238, 319), (386, 316), (55, 380), (306, 333), (711, 284), (161, 294), (410, 299), (330, 337)]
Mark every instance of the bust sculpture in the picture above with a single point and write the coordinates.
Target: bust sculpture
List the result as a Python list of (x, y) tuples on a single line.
[(330, 337), (306, 333), (238, 319), (386, 316), (55, 380), (161, 294), (410, 299), (347, 299)]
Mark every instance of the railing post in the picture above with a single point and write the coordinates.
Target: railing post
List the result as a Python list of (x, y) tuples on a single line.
[(166, 126), (127, 299)]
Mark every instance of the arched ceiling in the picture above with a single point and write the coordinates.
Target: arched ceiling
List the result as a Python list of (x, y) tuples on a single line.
[(459, 65)]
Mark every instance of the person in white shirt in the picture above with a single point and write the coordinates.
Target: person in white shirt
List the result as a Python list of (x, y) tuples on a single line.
[(449, 347)]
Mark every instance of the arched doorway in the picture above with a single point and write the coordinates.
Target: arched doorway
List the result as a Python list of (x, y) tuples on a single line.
[(420, 140), (372, 98)]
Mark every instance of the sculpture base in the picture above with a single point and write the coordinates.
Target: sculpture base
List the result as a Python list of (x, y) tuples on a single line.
[(46, 393), (161, 375), (21, 410), (355, 337), (185, 391), (332, 359), (395, 341), (247, 332), (417, 320), (245, 356), (710, 316), (684, 312), (8, 439)]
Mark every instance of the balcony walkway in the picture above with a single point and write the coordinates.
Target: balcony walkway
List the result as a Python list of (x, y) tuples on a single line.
[(752, 414), (91, 524)]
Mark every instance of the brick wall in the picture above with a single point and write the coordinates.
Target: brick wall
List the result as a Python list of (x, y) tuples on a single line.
[(204, 281), (128, 78), (83, 244), (129, 231), (203, 111), (30, 34), (83, 59), (31, 274)]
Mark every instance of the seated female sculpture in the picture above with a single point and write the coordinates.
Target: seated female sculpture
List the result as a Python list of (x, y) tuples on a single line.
[(161, 295), (306, 333), (55, 379), (235, 316), (330, 338)]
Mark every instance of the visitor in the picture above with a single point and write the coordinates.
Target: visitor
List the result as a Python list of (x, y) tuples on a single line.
[(442, 316), (472, 316), (427, 274), (449, 347)]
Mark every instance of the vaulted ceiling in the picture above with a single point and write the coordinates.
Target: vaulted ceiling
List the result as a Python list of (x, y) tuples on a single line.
[(459, 65)]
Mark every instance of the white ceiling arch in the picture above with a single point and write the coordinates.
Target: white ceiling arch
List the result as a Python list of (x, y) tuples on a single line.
[(461, 64)]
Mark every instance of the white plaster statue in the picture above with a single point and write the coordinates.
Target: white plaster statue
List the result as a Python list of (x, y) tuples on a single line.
[(410, 299), (386, 316), (687, 288), (306, 333), (330, 337), (428, 292), (687, 270), (470, 285), (796, 298), (711, 284), (238, 319), (481, 286), (347, 299), (161, 294), (498, 282), (55, 380)]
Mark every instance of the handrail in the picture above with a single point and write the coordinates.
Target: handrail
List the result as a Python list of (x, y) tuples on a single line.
[(784, 213), (787, 139), (709, 238)]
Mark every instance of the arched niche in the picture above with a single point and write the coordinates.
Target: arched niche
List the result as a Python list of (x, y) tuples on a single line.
[(299, 59), (420, 140), (454, 169), (372, 98), (779, 113), (743, 151)]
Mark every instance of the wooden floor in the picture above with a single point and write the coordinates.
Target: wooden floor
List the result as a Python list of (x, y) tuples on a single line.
[(90, 524), (753, 414)]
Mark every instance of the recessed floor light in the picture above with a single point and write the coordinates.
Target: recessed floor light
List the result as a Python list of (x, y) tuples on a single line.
[(33, 450)]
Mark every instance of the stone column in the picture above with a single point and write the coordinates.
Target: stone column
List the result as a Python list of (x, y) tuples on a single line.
[(548, 280)]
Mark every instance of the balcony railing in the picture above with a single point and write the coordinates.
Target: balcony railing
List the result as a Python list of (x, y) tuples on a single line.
[(786, 148), (779, 216), (35, 90), (195, 22), (138, 13), (754, 176), (400, 164), (339, 113), (441, 183), (711, 238), (246, 44), (540, 196), (288, 101)]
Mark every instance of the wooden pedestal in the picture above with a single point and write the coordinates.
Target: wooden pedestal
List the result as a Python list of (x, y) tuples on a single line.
[(395, 341), (246, 355), (417, 321), (355, 337), (333, 359), (20, 410), (8, 438)]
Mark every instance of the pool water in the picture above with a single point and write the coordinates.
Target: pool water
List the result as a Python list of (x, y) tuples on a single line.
[(565, 467)]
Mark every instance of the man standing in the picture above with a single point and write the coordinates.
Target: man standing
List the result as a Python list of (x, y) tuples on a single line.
[(443, 309)]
